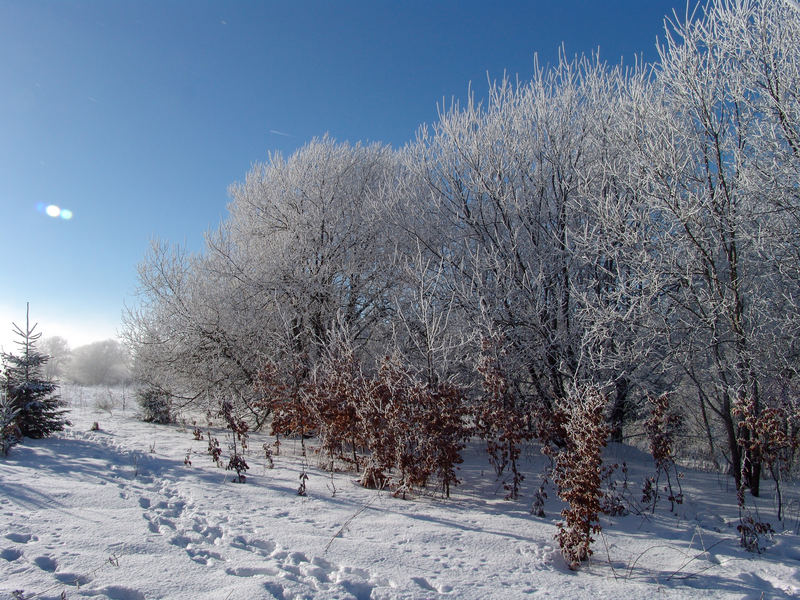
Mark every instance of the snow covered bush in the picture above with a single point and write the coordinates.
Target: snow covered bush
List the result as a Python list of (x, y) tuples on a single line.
[(214, 449), (398, 430), (155, 406), (753, 534)]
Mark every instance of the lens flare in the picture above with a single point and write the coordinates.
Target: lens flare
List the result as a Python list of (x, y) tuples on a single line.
[(54, 211)]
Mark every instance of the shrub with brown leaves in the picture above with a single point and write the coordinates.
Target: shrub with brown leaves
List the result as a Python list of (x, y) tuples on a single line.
[(661, 427), (578, 473), (414, 428), (768, 436), (499, 416)]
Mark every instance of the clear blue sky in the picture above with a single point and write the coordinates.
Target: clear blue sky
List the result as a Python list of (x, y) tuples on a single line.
[(136, 115)]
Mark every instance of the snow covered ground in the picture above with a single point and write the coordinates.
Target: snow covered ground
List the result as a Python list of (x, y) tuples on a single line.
[(116, 513)]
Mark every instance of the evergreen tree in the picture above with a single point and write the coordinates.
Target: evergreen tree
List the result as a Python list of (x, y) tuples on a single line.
[(9, 430), (39, 410)]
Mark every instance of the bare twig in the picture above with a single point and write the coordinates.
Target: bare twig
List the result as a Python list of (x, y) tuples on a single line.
[(350, 519)]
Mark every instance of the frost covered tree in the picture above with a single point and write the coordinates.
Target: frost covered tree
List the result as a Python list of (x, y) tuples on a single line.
[(311, 237), (57, 348), (508, 201), (306, 243), (39, 410), (99, 363), (719, 171)]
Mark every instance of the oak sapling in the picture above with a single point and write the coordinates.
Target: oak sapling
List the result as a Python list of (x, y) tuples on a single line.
[(270, 463), (770, 437), (214, 449), (238, 445), (499, 418), (661, 427), (578, 473)]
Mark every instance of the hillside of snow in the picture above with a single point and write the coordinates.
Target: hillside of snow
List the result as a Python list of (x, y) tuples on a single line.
[(138, 511)]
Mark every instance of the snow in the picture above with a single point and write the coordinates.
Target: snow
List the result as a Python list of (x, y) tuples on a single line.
[(116, 514)]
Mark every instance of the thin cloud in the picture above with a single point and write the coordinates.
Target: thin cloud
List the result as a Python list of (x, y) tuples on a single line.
[(281, 133)]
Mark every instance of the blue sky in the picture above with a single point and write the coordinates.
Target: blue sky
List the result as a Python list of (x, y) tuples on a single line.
[(137, 115)]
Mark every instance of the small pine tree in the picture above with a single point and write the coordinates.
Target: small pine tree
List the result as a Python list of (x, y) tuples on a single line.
[(39, 410)]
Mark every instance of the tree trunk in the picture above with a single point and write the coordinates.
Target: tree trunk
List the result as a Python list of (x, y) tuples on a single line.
[(617, 416), (733, 442)]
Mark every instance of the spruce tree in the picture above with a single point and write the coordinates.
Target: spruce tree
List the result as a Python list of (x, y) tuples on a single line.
[(39, 409), (9, 430)]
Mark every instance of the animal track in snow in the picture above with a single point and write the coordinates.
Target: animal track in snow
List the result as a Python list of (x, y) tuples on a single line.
[(251, 571), (73, 579), (118, 592), (295, 574), (10, 554), (21, 538), (46, 563), (257, 546), (210, 539)]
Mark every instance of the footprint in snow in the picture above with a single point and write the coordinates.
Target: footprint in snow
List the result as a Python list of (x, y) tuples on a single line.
[(261, 547), (275, 589), (45, 563), (21, 538), (296, 558), (170, 508), (251, 571), (10, 554), (210, 532), (318, 573), (180, 540), (203, 557), (118, 592), (423, 583), (359, 589), (73, 579)]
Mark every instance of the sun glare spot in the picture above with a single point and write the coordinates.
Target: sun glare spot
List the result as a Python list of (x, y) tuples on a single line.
[(54, 211)]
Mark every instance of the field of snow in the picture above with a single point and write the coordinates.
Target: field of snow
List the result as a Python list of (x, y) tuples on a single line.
[(119, 513)]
